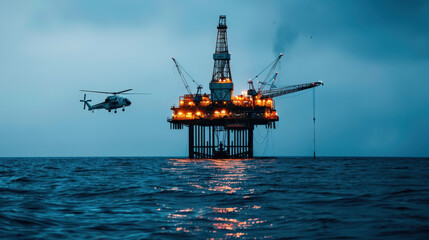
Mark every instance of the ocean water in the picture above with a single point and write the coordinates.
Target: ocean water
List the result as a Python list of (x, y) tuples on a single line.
[(163, 198)]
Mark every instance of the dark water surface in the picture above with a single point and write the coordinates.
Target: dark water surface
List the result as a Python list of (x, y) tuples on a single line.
[(160, 198)]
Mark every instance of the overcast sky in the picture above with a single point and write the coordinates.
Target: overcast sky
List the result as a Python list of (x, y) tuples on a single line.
[(372, 55)]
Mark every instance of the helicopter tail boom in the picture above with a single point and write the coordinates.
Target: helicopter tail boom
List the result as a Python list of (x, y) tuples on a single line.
[(85, 103)]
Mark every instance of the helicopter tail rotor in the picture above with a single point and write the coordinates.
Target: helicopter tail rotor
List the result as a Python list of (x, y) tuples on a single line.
[(85, 102)]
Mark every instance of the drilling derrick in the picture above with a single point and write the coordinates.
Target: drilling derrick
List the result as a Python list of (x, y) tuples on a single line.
[(221, 125), (221, 86)]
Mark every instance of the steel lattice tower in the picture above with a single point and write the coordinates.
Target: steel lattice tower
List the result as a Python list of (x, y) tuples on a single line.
[(221, 85), (221, 69)]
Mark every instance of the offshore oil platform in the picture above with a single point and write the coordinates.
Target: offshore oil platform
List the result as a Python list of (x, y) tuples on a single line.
[(221, 125)]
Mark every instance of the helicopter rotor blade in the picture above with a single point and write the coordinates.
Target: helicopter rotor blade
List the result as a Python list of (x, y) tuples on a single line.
[(97, 91), (114, 93), (136, 93), (122, 91)]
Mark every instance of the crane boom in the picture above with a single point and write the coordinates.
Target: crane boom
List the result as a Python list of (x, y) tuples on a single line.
[(273, 79), (289, 89), (182, 76), (273, 65)]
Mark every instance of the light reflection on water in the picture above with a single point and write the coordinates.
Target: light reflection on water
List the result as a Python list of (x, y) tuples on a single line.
[(227, 212)]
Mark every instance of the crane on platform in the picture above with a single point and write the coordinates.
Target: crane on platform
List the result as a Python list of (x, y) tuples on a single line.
[(274, 91), (273, 65), (267, 80), (289, 89), (197, 97), (252, 91)]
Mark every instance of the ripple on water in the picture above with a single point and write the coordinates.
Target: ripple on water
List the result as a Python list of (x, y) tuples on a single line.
[(159, 198)]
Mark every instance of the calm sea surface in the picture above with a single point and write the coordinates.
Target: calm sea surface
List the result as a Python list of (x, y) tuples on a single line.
[(162, 198)]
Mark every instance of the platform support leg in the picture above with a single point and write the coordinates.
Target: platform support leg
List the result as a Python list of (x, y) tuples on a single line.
[(213, 140), (250, 142), (228, 143), (191, 141)]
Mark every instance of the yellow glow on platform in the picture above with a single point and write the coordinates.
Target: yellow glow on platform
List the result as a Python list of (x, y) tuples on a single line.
[(198, 113), (223, 111), (226, 80)]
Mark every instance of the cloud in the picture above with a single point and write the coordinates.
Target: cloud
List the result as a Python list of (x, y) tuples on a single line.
[(286, 37), (378, 29), (94, 13)]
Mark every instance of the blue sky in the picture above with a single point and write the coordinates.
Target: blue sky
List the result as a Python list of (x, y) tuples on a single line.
[(372, 55)]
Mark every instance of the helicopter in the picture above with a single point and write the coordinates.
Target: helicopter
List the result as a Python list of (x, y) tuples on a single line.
[(111, 102)]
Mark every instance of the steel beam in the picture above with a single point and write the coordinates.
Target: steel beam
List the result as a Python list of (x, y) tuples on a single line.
[(191, 141)]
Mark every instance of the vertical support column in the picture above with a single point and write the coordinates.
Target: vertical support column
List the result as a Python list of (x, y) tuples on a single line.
[(198, 147), (209, 151), (204, 141), (246, 144), (240, 134), (235, 142), (229, 143), (251, 142), (195, 140), (198, 141), (191, 141), (237, 147), (201, 140), (240, 141), (243, 147), (213, 140)]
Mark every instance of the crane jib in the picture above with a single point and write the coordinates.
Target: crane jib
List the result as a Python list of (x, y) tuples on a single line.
[(289, 89), (182, 73)]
